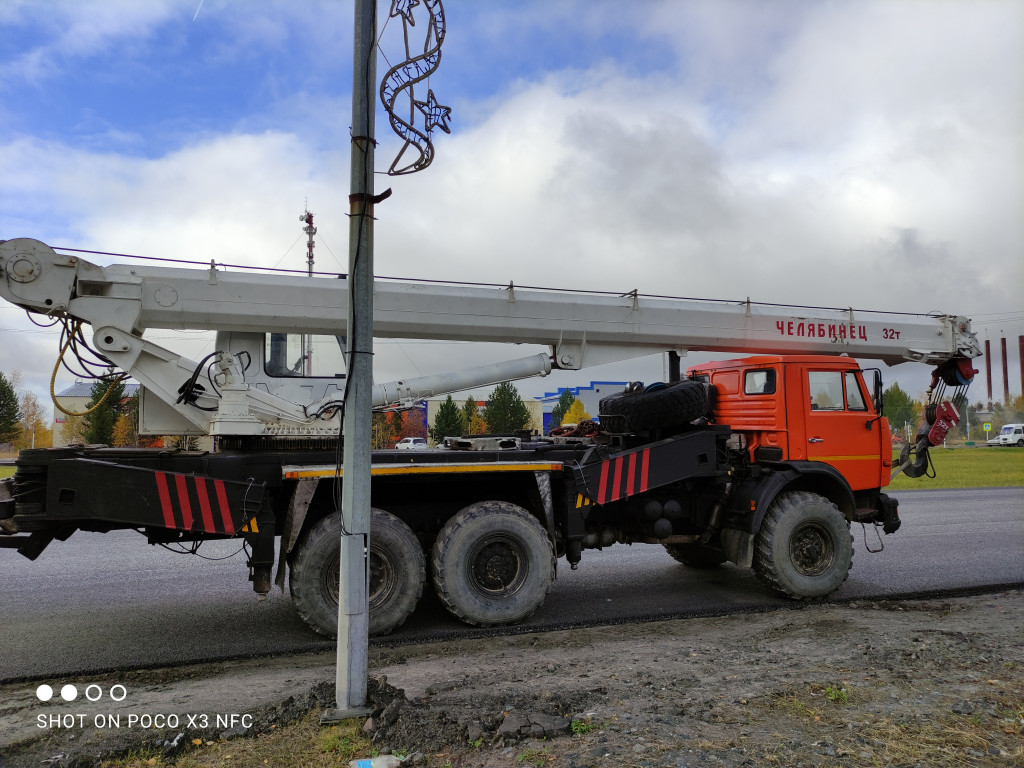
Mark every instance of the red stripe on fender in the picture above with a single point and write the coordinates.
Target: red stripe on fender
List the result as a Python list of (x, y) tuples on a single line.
[(617, 481), (165, 500), (603, 487), (225, 511), (186, 506), (630, 474), (644, 464), (204, 506)]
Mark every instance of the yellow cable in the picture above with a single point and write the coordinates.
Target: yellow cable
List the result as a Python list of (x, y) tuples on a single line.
[(53, 378)]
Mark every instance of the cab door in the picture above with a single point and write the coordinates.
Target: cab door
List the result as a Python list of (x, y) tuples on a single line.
[(837, 430)]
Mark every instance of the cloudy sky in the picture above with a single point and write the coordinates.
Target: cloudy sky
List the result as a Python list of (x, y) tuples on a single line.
[(827, 153)]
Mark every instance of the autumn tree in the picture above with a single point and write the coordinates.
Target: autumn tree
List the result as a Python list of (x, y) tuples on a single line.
[(505, 410), (414, 423), (35, 427), (449, 421), (473, 421), (576, 413), (126, 427), (124, 434), (72, 431), (10, 411), (565, 401), (386, 427)]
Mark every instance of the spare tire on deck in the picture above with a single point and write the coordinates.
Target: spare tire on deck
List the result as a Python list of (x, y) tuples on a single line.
[(660, 407)]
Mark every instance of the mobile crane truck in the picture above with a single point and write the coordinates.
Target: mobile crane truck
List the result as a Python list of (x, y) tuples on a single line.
[(763, 461)]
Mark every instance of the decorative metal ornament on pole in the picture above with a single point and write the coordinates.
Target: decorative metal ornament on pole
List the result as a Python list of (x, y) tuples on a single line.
[(398, 88)]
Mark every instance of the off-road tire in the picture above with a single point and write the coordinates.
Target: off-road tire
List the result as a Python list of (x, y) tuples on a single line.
[(697, 556), (492, 564), (397, 573), (672, 406), (804, 548)]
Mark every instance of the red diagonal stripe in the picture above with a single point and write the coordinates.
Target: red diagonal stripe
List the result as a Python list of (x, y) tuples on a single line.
[(644, 463), (603, 486), (204, 506), (165, 500), (186, 506), (222, 502), (630, 474), (617, 480)]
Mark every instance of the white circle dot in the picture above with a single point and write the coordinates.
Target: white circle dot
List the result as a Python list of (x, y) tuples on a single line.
[(69, 692), (44, 692)]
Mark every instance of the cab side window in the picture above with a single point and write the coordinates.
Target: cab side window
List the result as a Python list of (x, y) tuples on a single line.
[(826, 388), (854, 397), (827, 391), (759, 382)]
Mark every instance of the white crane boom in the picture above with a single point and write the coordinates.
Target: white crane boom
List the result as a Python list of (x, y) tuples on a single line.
[(581, 329)]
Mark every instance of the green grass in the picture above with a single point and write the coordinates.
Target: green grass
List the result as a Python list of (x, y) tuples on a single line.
[(6, 472), (978, 467)]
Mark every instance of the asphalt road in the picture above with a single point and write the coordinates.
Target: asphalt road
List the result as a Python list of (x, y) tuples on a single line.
[(111, 601)]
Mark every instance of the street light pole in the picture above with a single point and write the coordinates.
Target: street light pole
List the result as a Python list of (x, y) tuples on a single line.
[(353, 610)]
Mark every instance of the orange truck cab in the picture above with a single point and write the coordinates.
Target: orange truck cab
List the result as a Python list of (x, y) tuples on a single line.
[(804, 408)]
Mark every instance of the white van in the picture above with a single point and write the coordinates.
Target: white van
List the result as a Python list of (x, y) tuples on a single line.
[(1010, 434)]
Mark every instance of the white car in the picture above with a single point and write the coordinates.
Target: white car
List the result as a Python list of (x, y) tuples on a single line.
[(412, 444)]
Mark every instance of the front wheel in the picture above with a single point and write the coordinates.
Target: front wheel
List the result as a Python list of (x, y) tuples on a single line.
[(493, 564), (397, 573), (804, 548)]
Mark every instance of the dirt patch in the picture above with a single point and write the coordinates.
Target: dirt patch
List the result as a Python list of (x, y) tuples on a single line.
[(933, 683)]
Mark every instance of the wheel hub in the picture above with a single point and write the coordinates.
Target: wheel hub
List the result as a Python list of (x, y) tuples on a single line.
[(498, 566), (811, 550)]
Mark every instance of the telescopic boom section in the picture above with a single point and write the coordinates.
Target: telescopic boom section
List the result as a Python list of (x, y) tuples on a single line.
[(580, 329)]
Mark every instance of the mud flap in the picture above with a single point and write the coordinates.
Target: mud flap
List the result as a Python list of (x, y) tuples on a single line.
[(294, 519), (889, 513), (738, 546)]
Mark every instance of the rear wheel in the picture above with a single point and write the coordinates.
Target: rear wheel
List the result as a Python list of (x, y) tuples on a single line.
[(492, 564), (397, 573), (696, 555), (804, 548)]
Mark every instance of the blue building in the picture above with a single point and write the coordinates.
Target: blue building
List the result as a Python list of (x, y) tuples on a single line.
[(589, 395)]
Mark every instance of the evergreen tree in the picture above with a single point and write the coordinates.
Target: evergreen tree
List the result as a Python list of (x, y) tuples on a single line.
[(449, 421), (505, 411), (126, 426), (99, 423), (899, 408), (10, 412), (565, 401)]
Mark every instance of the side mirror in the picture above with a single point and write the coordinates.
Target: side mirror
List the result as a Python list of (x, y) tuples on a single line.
[(878, 392)]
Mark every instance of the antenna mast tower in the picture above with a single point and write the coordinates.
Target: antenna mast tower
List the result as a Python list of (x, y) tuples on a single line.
[(310, 230)]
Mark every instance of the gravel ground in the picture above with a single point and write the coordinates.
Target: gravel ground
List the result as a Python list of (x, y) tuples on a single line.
[(900, 683)]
